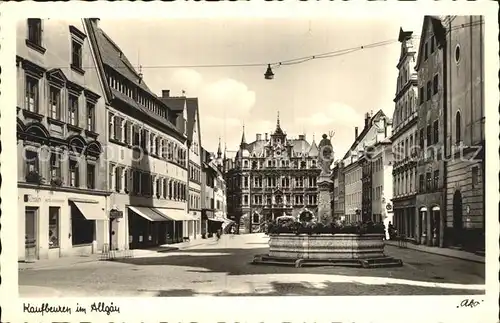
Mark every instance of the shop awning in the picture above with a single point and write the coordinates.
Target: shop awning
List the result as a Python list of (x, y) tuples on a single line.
[(175, 214), (90, 210), (149, 213)]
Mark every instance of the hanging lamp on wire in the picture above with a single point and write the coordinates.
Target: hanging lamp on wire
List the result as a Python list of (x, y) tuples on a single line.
[(269, 75)]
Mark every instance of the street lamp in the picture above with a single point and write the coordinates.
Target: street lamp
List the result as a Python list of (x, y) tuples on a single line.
[(269, 75)]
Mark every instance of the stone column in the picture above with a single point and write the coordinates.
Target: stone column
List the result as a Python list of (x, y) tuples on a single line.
[(324, 206)]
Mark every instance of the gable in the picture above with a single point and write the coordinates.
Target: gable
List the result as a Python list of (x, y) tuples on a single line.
[(434, 24)]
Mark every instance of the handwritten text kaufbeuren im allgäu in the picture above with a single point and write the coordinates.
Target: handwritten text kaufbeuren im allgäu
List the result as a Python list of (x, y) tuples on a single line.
[(46, 308)]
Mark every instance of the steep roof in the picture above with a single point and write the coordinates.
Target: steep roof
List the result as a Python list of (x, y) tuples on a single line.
[(363, 133), (439, 33), (109, 54), (313, 151), (175, 103), (192, 115)]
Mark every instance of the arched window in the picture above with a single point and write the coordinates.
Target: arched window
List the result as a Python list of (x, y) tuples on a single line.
[(458, 127)]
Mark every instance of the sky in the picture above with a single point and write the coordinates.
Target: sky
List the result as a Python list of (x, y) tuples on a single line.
[(312, 98)]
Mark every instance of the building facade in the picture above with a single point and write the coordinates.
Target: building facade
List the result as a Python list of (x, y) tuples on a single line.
[(61, 132), (464, 219), (365, 162), (375, 129), (188, 121), (404, 140), (271, 177), (382, 181), (428, 228), (146, 155)]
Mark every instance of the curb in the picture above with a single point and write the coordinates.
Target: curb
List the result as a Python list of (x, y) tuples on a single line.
[(479, 261)]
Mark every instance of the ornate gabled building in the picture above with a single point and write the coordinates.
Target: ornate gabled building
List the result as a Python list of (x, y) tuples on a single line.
[(404, 138), (270, 177)]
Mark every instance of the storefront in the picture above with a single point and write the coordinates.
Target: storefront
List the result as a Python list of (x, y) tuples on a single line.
[(151, 227), (55, 224), (206, 215)]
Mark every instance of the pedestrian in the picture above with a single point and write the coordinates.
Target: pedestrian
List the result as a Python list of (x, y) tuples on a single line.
[(217, 235), (391, 231)]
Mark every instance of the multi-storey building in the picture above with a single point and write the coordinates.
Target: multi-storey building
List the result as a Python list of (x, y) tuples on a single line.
[(272, 176), (208, 175), (382, 181), (465, 132), (338, 199), (431, 122), (146, 154), (61, 132), (404, 140), (375, 130), (188, 121), (366, 184)]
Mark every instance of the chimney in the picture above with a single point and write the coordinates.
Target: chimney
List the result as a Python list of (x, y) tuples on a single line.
[(302, 137), (258, 137), (355, 133), (367, 118), (165, 93), (265, 136)]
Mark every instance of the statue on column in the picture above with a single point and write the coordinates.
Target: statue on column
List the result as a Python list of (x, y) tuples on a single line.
[(325, 154)]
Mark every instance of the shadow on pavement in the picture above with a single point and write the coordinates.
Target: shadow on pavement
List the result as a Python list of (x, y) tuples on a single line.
[(327, 289), (238, 262)]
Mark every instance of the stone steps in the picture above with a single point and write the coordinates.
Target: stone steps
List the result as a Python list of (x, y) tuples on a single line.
[(377, 262)]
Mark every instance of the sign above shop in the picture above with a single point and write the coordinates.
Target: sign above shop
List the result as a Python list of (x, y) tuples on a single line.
[(115, 214)]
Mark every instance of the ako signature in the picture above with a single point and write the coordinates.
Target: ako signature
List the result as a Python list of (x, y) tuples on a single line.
[(471, 303)]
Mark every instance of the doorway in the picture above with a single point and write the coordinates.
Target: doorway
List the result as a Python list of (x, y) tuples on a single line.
[(457, 217), (30, 233)]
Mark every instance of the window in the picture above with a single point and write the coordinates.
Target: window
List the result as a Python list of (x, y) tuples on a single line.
[(435, 85), (421, 95), (54, 227), (32, 164), (76, 54), (428, 180), (73, 110), (421, 139), (411, 182), (436, 131), (457, 54), (429, 141), (458, 126), (31, 95), (436, 179), (136, 182), (136, 135), (118, 128), (165, 188), (245, 199), (429, 90), (421, 183), (90, 176), (35, 31), (475, 176), (426, 51), (55, 103), (73, 173), (126, 132), (55, 165), (90, 116), (158, 187)]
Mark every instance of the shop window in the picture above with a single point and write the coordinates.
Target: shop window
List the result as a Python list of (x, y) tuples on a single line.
[(54, 227), (82, 230), (73, 173)]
